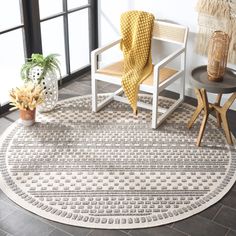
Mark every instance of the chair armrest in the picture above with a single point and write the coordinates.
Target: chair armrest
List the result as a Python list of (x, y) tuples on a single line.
[(98, 51), (163, 62), (169, 58)]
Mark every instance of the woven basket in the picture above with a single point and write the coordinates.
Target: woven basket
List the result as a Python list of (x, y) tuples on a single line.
[(217, 55)]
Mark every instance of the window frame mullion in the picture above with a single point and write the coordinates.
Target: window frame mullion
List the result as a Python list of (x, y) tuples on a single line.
[(31, 19), (93, 24), (66, 37)]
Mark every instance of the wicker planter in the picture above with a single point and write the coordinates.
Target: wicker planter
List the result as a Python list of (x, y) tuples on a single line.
[(217, 55), (50, 85), (27, 117)]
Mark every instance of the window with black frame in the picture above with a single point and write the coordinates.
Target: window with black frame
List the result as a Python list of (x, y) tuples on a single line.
[(65, 27), (12, 51)]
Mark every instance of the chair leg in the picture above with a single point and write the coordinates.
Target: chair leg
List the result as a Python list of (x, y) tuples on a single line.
[(157, 122), (94, 94), (154, 109), (154, 118), (182, 88)]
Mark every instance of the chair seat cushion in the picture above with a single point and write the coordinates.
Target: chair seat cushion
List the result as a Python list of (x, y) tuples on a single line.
[(116, 69)]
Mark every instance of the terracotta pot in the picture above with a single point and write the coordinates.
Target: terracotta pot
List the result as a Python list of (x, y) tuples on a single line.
[(27, 117)]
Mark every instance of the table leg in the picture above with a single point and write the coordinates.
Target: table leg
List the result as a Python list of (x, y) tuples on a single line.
[(223, 115), (198, 109), (206, 114), (217, 103)]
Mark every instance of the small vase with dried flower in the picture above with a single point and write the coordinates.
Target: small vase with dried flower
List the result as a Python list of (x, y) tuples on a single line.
[(26, 99)]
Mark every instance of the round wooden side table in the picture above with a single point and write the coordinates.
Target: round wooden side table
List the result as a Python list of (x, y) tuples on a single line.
[(202, 85)]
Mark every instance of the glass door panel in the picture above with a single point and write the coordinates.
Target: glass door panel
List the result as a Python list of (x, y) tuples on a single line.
[(79, 39), (11, 60), (49, 7), (10, 15), (77, 3), (52, 32)]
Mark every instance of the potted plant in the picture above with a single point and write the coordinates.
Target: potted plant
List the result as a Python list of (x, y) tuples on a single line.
[(26, 99), (44, 71)]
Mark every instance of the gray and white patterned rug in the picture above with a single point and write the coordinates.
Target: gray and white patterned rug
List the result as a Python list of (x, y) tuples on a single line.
[(111, 170)]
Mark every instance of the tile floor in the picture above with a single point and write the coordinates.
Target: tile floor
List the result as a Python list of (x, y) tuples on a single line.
[(220, 219)]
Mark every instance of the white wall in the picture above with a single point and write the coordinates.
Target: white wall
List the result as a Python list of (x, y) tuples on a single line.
[(181, 11)]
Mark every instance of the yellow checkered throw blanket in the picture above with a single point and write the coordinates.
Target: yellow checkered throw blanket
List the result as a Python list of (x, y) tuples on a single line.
[(136, 31)]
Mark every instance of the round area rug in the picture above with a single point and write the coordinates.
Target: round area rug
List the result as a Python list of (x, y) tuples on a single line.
[(110, 169)]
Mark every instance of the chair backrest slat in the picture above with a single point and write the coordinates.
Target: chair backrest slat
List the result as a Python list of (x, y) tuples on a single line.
[(169, 32)]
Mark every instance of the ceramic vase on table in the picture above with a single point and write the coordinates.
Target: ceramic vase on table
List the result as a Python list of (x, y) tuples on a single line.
[(27, 117), (50, 85)]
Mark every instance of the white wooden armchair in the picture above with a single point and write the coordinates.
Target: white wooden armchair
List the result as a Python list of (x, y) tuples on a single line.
[(161, 77)]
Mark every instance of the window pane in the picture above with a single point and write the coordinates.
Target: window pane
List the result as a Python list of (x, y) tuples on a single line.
[(79, 39), (11, 60), (10, 15), (48, 8), (76, 3), (53, 40)]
